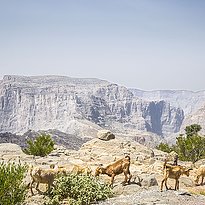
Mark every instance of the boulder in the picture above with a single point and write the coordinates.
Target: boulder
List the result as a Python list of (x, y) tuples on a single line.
[(126, 190), (10, 149), (105, 135), (148, 180)]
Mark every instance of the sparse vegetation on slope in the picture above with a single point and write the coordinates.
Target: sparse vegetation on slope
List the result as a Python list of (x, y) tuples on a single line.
[(12, 189)]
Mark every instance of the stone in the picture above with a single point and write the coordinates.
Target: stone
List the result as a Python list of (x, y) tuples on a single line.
[(148, 180), (105, 135), (9, 149)]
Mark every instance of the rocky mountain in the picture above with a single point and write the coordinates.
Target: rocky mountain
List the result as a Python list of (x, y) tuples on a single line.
[(192, 104), (189, 101), (197, 117), (81, 107)]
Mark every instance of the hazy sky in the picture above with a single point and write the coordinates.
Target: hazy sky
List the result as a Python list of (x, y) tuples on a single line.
[(145, 44)]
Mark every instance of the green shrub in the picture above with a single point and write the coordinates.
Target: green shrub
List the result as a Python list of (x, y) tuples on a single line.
[(41, 146), (189, 147), (79, 190), (164, 147), (12, 189)]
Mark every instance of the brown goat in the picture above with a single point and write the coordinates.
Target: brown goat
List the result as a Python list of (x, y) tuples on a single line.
[(173, 172), (118, 167)]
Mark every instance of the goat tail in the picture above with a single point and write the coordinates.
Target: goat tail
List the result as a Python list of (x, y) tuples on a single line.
[(127, 157)]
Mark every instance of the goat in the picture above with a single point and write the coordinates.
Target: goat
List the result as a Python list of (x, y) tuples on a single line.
[(200, 173), (44, 176), (173, 172), (78, 169), (59, 169), (118, 167)]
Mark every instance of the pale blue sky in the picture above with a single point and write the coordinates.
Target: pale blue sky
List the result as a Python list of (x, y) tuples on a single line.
[(145, 44)]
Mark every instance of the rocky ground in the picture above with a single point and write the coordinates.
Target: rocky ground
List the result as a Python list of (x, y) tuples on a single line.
[(152, 196), (146, 167)]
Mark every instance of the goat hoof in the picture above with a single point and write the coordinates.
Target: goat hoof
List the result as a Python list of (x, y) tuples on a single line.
[(123, 184)]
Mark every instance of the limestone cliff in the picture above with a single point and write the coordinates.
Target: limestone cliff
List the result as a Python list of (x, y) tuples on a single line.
[(197, 117), (189, 101), (80, 106)]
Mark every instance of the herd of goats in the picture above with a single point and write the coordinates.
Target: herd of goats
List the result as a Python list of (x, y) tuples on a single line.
[(173, 171)]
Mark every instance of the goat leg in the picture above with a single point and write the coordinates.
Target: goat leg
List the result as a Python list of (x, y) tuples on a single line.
[(162, 184), (197, 180), (130, 176), (37, 185), (37, 188), (31, 184), (202, 180), (166, 184), (125, 180), (112, 180), (49, 188), (177, 184)]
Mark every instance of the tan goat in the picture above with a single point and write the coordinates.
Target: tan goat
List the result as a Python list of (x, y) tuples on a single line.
[(173, 172), (118, 167), (44, 176), (78, 169), (200, 173), (59, 169)]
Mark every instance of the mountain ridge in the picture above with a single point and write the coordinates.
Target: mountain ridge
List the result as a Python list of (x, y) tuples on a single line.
[(81, 106)]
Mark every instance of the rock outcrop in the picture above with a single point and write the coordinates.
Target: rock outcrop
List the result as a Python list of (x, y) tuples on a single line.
[(105, 135)]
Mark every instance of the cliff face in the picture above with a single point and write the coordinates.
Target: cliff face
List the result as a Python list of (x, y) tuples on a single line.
[(189, 101), (80, 106), (192, 103), (197, 117)]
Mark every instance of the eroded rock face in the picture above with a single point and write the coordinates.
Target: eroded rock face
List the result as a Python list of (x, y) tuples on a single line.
[(80, 107)]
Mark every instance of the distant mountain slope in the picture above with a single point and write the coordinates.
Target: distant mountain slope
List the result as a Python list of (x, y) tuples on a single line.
[(60, 138), (80, 107), (187, 100), (197, 117)]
